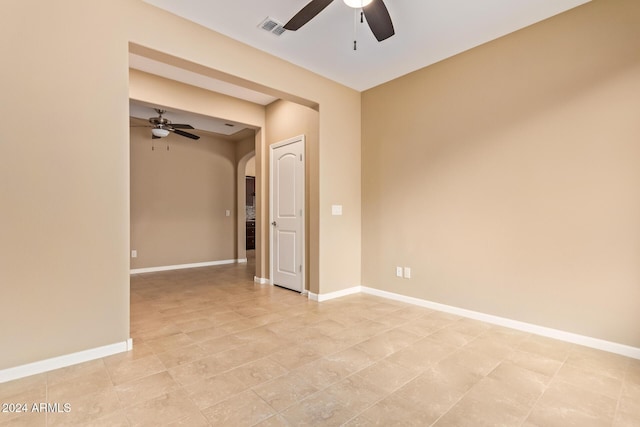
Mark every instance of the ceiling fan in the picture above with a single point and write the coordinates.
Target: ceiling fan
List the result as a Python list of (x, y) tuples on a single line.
[(161, 127), (375, 11)]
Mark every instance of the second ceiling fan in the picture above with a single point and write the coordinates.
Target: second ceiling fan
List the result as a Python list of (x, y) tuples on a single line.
[(162, 126), (374, 11)]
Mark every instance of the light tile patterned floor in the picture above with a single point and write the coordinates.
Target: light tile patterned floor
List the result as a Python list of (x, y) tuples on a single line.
[(213, 348)]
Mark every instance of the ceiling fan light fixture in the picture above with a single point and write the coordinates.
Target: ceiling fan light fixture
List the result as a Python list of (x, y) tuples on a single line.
[(159, 132), (357, 4)]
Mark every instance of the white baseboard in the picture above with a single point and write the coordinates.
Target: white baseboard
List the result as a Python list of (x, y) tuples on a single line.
[(336, 294), (183, 266), (261, 280), (243, 261), (46, 365), (586, 341)]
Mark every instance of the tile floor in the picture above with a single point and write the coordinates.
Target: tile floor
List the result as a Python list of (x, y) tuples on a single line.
[(213, 348)]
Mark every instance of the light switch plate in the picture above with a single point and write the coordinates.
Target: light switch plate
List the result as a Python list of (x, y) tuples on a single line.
[(336, 209)]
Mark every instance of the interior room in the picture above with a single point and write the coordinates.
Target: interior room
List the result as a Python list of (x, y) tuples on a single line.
[(467, 238)]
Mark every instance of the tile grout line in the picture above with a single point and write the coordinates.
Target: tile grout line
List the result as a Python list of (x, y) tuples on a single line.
[(533, 406), (621, 392), (382, 398)]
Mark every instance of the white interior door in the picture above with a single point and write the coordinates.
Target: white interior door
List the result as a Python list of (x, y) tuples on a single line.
[(287, 213)]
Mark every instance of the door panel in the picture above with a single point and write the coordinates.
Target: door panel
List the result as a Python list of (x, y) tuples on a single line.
[(286, 261), (286, 186)]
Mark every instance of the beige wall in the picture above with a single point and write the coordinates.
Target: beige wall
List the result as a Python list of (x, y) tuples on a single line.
[(65, 171), (64, 248), (507, 177), (179, 199), (251, 167), (285, 120)]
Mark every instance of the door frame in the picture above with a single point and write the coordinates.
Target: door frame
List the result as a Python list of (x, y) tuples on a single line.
[(272, 148)]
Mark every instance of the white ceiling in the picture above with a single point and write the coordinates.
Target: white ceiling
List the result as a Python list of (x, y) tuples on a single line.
[(144, 111), (427, 31)]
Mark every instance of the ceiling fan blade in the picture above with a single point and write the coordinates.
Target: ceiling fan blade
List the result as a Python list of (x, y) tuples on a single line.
[(379, 20), (187, 134), (181, 126), (306, 14)]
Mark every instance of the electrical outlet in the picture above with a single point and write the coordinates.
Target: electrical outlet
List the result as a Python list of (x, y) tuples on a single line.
[(134, 254), (227, 213), (398, 271), (407, 272)]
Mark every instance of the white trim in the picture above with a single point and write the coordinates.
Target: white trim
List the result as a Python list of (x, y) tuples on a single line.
[(336, 294), (63, 361), (586, 341), (261, 280), (183, 266), (242, 261)]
